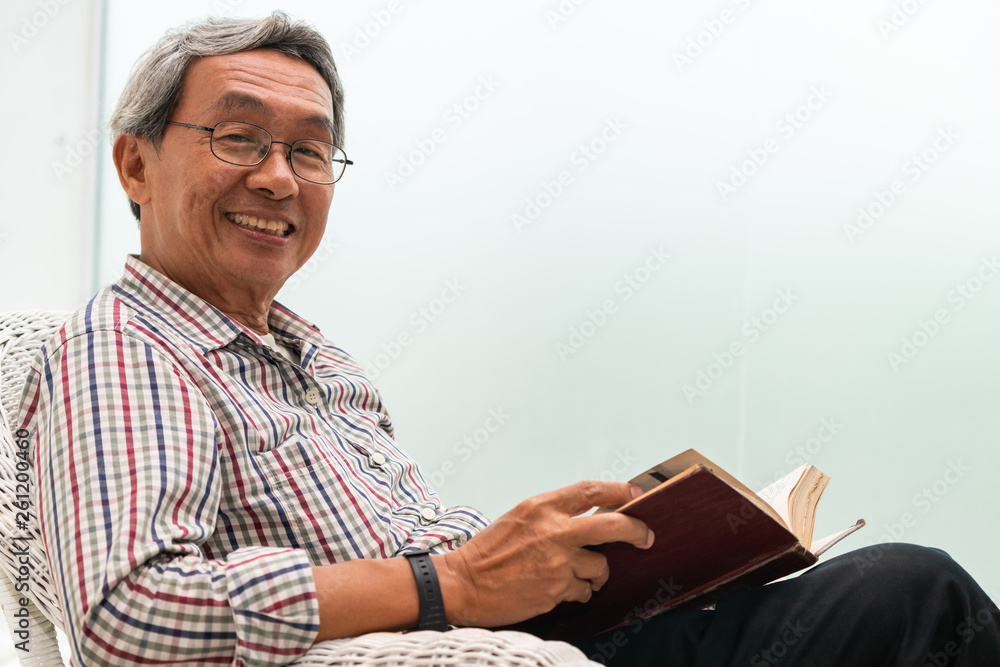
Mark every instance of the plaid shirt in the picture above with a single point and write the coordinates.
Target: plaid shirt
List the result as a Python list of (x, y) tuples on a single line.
[(189, 475)]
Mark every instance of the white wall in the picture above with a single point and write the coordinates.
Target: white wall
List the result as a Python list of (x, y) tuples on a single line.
[(881, 98), (51, 139)]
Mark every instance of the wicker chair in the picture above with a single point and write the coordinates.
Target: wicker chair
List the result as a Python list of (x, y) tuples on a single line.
[(32, 610)]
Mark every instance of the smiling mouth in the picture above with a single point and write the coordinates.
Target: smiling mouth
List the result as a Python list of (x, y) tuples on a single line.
[(272, 227)]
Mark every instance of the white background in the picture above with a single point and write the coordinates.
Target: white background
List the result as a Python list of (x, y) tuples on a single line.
[(617, 404)]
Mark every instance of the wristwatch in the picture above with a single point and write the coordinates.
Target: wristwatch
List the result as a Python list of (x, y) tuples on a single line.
[(429, 591)]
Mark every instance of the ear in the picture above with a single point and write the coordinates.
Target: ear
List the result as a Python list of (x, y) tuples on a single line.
[(130, 154)]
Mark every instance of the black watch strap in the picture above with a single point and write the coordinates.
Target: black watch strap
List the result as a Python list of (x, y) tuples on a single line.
[(429, 590)]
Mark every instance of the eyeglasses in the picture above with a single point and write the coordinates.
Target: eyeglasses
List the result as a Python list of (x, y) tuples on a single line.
[(247, 145)]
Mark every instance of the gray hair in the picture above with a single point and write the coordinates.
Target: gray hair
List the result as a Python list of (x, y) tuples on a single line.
[(154, 87)]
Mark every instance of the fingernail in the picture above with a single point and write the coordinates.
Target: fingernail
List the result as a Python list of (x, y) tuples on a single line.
[(649, 539), (636, 491)]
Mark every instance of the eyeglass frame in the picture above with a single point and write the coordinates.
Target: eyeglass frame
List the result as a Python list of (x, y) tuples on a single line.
[(288, 155)]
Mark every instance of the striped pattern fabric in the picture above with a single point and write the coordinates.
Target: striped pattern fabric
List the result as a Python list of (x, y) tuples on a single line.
[(189, 475)]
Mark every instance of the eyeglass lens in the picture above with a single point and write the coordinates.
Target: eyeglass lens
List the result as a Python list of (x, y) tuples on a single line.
[(247, 145)]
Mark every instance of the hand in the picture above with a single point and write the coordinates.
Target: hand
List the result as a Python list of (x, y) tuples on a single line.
[(532, 558)]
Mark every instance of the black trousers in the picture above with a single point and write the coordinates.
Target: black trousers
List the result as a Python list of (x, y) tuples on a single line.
[(894, 604)]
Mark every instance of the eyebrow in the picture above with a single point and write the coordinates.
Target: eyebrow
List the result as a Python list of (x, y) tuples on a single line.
[(233, 101)]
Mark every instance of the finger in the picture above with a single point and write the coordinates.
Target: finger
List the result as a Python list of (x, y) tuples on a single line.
[(591, 566), (580, 591), (583, 496), (609, 527)]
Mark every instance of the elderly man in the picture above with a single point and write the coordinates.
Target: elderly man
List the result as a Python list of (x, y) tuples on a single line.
[(218, 483)]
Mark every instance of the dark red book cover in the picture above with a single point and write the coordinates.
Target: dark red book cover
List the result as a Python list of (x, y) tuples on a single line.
[(709, 538)]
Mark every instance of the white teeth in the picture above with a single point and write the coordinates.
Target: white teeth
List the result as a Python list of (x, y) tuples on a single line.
[(275, 227)]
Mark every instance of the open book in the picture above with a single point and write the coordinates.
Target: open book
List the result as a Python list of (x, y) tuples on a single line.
[(713, 536)]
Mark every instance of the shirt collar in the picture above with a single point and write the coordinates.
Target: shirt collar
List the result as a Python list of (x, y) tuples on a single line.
[(152, 293)]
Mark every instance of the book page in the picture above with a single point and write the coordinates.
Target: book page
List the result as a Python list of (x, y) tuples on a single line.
[(819, 547), (776, 495)]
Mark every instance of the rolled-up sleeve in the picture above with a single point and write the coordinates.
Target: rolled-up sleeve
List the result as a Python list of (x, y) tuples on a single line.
[(453, 527), (128, 488)]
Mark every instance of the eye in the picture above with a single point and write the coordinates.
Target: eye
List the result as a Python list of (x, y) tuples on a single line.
[(236, 136), (314, 151), (307, 153)]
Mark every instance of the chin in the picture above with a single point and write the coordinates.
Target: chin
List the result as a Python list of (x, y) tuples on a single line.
[(258, 275)]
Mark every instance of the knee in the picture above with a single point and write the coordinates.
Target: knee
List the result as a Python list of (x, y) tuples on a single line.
[(907, 565), (917, 576), (928, 602)]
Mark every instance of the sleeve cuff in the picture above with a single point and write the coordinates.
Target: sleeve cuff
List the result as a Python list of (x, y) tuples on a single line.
[(273, 597)]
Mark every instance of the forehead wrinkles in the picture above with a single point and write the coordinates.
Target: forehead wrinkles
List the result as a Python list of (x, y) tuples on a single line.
[(260, 81), (233, 102), (238, 102), (288, 76)]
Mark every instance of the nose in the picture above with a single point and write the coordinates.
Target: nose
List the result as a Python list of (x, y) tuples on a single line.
[(274, 174)]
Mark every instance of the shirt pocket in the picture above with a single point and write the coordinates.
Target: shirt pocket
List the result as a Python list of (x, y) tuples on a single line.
[(336, 507)]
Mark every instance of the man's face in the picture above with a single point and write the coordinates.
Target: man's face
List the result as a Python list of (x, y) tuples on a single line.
[(195, 220)]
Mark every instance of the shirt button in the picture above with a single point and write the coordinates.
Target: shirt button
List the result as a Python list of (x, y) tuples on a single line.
[(312, 396), (428, 514), (378, 459)]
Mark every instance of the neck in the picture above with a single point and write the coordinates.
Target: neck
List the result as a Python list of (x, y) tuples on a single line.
[(249, 310), (248, 304)]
